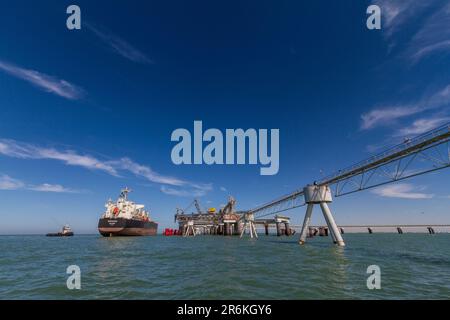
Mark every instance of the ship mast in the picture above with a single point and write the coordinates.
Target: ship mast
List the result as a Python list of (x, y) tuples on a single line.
[(124, 193)]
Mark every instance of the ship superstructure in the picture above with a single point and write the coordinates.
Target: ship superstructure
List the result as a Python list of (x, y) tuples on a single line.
[(124, 208), (66, 231)]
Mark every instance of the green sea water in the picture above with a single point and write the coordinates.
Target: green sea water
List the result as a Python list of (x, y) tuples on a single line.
[(413, 266)]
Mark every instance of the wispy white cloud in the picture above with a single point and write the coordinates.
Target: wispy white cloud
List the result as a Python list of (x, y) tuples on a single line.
[(387, 115), (393, 13), (397, 13), (198, 191), (175, 192), (118, 45), (433, 36), (45, 82), (179, 187), (223, 189), (402, 191), (416, 128), (420, 126), (16, 149), (46, 187), (145, 172), (425, 25), (22, 150), (8, 183), (443, 46)]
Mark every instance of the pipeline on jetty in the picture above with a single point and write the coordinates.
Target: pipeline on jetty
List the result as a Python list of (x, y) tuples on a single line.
[(228, 222), (403, 161)]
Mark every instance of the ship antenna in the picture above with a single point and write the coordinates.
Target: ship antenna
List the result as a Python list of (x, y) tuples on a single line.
[(124, 193)]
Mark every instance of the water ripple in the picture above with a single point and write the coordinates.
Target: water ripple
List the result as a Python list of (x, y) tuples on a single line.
[(413, 266)]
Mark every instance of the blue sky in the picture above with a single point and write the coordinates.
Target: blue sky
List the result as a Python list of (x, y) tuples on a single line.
[(87, 112)]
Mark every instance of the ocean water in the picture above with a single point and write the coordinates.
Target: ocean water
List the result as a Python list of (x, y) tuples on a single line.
[(413, 266)]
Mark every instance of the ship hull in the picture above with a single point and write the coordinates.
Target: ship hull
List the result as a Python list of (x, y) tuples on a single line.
[(60, 234), (120, 227)]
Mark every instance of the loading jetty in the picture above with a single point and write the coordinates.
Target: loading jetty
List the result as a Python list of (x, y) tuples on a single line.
[(229, 222), (406, 160)]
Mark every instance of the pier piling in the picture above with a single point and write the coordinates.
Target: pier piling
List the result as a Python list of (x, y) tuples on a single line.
[(287, 229), (278, 229), (320, 195)]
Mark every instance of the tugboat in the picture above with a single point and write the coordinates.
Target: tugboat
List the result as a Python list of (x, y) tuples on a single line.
[(126, 218), (65, 232)]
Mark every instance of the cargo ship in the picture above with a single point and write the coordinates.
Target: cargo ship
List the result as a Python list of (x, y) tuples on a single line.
[(126, 218)]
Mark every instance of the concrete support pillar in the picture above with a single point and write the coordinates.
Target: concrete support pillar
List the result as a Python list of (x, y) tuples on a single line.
[(239, 227), (230, 229), (315, 194), (311, 232), (306, 223), (266, 228), (190, 230), (287, 229), (329, 229), (250, 224), (226, 229), (278, 229), (334, 229), (253, 226)]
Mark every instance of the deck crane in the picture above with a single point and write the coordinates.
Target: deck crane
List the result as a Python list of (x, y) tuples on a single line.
[(182, 212), (197, 206)]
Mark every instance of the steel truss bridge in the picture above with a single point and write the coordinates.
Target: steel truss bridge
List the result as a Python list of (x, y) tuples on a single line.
[(425, 153)]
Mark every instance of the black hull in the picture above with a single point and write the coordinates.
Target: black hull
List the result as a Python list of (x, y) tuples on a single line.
[(121, 227), (59, 234)]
